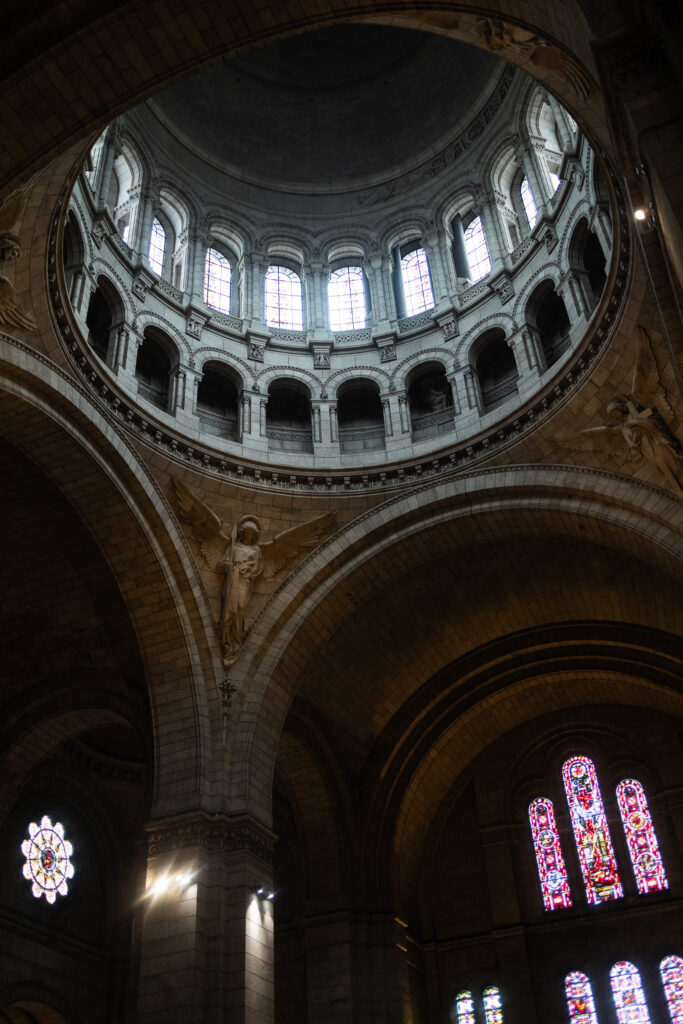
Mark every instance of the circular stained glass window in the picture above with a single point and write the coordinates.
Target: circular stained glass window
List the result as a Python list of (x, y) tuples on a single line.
[(48, 859)]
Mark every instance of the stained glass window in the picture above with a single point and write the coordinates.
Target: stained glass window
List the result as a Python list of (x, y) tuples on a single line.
[(529, 204), (580, 1002), (157, 244), (593, 840), (346, 299), (477, 250), (464, 1007), (640, 837), (283, 299), (417, 286), (48, 859), (555, 179), (671, 970), (217, 272), (493, 1008), (552, 873), (628, 995)]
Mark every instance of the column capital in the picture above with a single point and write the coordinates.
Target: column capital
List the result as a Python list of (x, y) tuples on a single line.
[(212, 833)]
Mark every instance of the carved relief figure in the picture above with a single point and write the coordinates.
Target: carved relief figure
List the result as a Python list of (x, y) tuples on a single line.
[(242, 558), (641, 430), (11, 213)]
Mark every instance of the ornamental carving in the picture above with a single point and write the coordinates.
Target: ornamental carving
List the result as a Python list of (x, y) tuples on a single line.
[(213, 835)]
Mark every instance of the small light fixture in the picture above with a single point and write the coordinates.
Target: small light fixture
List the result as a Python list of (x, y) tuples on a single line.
[(262, 893), (640, 213)]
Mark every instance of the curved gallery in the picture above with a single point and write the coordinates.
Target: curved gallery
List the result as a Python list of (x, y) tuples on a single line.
[(424, 674)]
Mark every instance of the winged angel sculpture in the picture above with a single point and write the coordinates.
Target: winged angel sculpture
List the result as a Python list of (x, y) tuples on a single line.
[(242, 558), (641, 430)]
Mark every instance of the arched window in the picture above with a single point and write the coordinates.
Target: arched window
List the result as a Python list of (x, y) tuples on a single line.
[(528, 201), (157, 245), (640, 837), (346, 299), (417, 286), (580, 1002), (283, 299), (555, 179), (464, 1007), (477, 250), (552, 873), (217, 274), (671, 971), (493, 1007), (593, 841), (628, 995), (95, 157)]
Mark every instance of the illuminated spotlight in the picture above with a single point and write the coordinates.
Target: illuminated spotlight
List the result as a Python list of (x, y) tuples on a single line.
[(262, 893), (183, 881), (640, 213), (160, 886)]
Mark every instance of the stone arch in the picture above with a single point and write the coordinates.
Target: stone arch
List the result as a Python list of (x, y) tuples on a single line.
[(268, 690), (353, 374), (104, 481)]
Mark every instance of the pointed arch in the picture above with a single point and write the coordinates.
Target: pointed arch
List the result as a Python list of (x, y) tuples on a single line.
[(464, 1007), (580, 1001), (671, 972)]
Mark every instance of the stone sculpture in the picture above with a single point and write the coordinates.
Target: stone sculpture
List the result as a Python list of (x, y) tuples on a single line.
[(241, 558), (641, 430), (11, 212)]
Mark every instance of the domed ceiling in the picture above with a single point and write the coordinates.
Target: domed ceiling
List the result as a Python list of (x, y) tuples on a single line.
[(331, 110)]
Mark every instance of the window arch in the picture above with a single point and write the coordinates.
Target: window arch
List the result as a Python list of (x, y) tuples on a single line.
[(628, 995), (593, 841), (284, 307), (477, 250), (528, 202), (671, 972), (580, 1001), (217, 280), (157, 247), (493, 1007), (552, 872), (417, 285), (464, 1007), (346, 298), (641, 840)]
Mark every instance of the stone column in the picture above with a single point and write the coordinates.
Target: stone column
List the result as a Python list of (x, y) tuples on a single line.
[(374, 269), (486, 207), (106, 169), (403, 412), (206, 937), (316, 274), (460, 260), (196, 258), (565, 135), (244, 425), (334, 423), (143, 223), (536, 175), (466, 391), (386, 412), (577, 295), (256, 264), (263, 402), (437, 272)]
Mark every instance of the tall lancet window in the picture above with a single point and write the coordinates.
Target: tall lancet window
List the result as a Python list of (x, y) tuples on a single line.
[(217, 273), (493, 1007), (552, 873), (628, 995), (580, 1002), (640, 836), (671, 970), (464, 1007), (284, 306), (528, 202), (593, 841), (157, 246)]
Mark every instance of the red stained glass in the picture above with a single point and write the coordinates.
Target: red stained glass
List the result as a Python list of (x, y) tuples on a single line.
[(580, 1002), (671, 970), (593, 841), (628, 995), (640, 837), (552, 873)]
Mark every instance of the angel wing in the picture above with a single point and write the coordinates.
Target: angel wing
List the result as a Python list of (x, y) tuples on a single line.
[(277, 552), (11, 313), (601, 439), (647, 387), (205, 524)]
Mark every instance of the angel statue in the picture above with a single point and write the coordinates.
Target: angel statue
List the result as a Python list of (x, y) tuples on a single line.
[(241, 558), (641, 430), (11, 213)]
